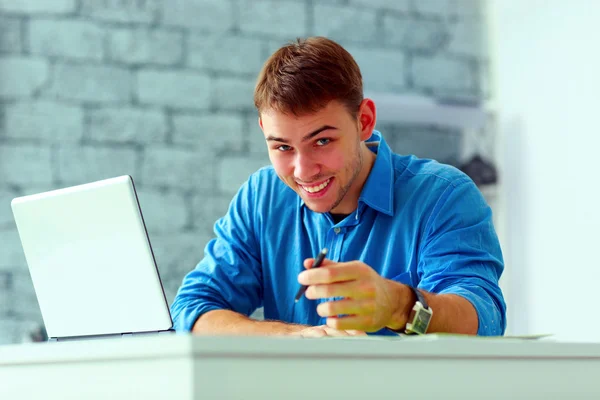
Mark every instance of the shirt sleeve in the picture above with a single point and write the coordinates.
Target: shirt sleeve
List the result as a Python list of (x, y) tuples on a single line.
[(230, 274), (460, 254)]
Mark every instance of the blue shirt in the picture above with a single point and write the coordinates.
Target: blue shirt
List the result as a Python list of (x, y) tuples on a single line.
[(418, 222)]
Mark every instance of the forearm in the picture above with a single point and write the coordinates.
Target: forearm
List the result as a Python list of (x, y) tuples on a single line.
[(226, 322), (451, 313)]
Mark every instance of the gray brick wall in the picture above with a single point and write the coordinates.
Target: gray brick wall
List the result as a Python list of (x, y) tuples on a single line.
[(162, 90)]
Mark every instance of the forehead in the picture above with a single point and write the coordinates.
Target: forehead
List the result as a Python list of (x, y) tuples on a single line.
[(333, 114)]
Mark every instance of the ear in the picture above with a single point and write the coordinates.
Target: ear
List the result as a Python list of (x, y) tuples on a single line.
[(367, 117), (260, 123)]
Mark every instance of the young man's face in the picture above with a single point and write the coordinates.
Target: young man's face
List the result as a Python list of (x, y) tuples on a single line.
[(320, 156)]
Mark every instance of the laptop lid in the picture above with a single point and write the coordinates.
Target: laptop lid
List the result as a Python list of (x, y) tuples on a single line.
[(91, 261)]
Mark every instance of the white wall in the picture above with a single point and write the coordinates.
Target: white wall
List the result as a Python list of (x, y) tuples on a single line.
[(546, 62)]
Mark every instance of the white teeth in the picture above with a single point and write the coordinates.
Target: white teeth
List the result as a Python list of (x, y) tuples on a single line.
[(315, 189)]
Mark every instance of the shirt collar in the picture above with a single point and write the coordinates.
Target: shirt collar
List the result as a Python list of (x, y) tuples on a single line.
[(378, 191)]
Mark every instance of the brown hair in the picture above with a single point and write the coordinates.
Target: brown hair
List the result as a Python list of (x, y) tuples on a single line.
[(304, 76)]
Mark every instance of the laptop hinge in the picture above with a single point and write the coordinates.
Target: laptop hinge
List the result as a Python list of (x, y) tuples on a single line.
[(111, 336), (132, 334)]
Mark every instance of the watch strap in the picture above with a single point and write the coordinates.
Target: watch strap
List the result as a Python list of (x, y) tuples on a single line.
[(420, 297)]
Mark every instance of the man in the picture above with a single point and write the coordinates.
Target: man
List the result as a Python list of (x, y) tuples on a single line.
[(395, 227)]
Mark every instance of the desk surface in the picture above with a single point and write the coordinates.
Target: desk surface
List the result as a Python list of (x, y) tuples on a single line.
[(177, 345), (190, 367)]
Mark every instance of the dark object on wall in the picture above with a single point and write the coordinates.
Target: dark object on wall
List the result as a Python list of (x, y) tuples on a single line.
[(481, 171), (38, 334)]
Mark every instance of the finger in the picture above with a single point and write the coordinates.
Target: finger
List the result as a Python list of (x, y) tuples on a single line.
[(354, 332), (337, 272), (346, 307), (335, 332), (308, 263), (351, 289), (315, 332), (353, 322)]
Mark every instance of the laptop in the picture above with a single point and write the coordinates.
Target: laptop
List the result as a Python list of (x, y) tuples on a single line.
[(91, 262)]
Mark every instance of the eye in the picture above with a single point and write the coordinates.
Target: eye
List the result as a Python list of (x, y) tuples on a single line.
[(283, 148), (323, 141)]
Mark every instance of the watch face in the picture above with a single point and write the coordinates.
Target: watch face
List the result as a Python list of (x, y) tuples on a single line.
[(421, 321)]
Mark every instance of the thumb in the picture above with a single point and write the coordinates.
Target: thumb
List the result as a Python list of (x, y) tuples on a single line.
[(308, 263)]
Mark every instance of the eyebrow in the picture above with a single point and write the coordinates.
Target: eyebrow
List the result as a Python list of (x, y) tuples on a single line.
[(305, 138)]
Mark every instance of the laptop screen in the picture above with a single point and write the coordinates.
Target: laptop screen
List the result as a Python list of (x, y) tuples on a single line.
[(91, 261)]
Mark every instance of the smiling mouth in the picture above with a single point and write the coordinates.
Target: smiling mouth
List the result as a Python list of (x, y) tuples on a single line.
[(317, 188)]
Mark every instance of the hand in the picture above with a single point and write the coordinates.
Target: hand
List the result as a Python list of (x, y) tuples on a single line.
[(370, 302), (324, 330)]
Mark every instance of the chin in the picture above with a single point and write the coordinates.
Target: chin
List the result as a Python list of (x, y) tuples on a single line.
[(322, 209)]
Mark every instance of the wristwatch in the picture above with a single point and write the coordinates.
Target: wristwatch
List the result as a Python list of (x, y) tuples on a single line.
[(420, 316)]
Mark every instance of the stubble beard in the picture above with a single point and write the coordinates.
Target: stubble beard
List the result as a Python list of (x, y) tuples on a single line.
[(356, 167)]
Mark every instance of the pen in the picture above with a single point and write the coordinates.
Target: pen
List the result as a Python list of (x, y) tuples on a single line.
[(316, 264)]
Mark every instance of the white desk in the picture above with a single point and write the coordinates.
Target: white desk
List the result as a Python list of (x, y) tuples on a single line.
[(186, 367)]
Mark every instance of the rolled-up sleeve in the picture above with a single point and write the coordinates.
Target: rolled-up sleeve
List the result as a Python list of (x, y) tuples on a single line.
[(230, 275), (460, 254)]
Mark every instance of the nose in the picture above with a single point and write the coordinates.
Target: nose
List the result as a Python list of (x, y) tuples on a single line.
[(305, 167)]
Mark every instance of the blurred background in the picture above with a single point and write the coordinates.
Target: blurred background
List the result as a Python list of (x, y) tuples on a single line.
[(162, 90)]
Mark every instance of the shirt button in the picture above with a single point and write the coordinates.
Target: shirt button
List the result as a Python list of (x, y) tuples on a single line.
[(337, 230)]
